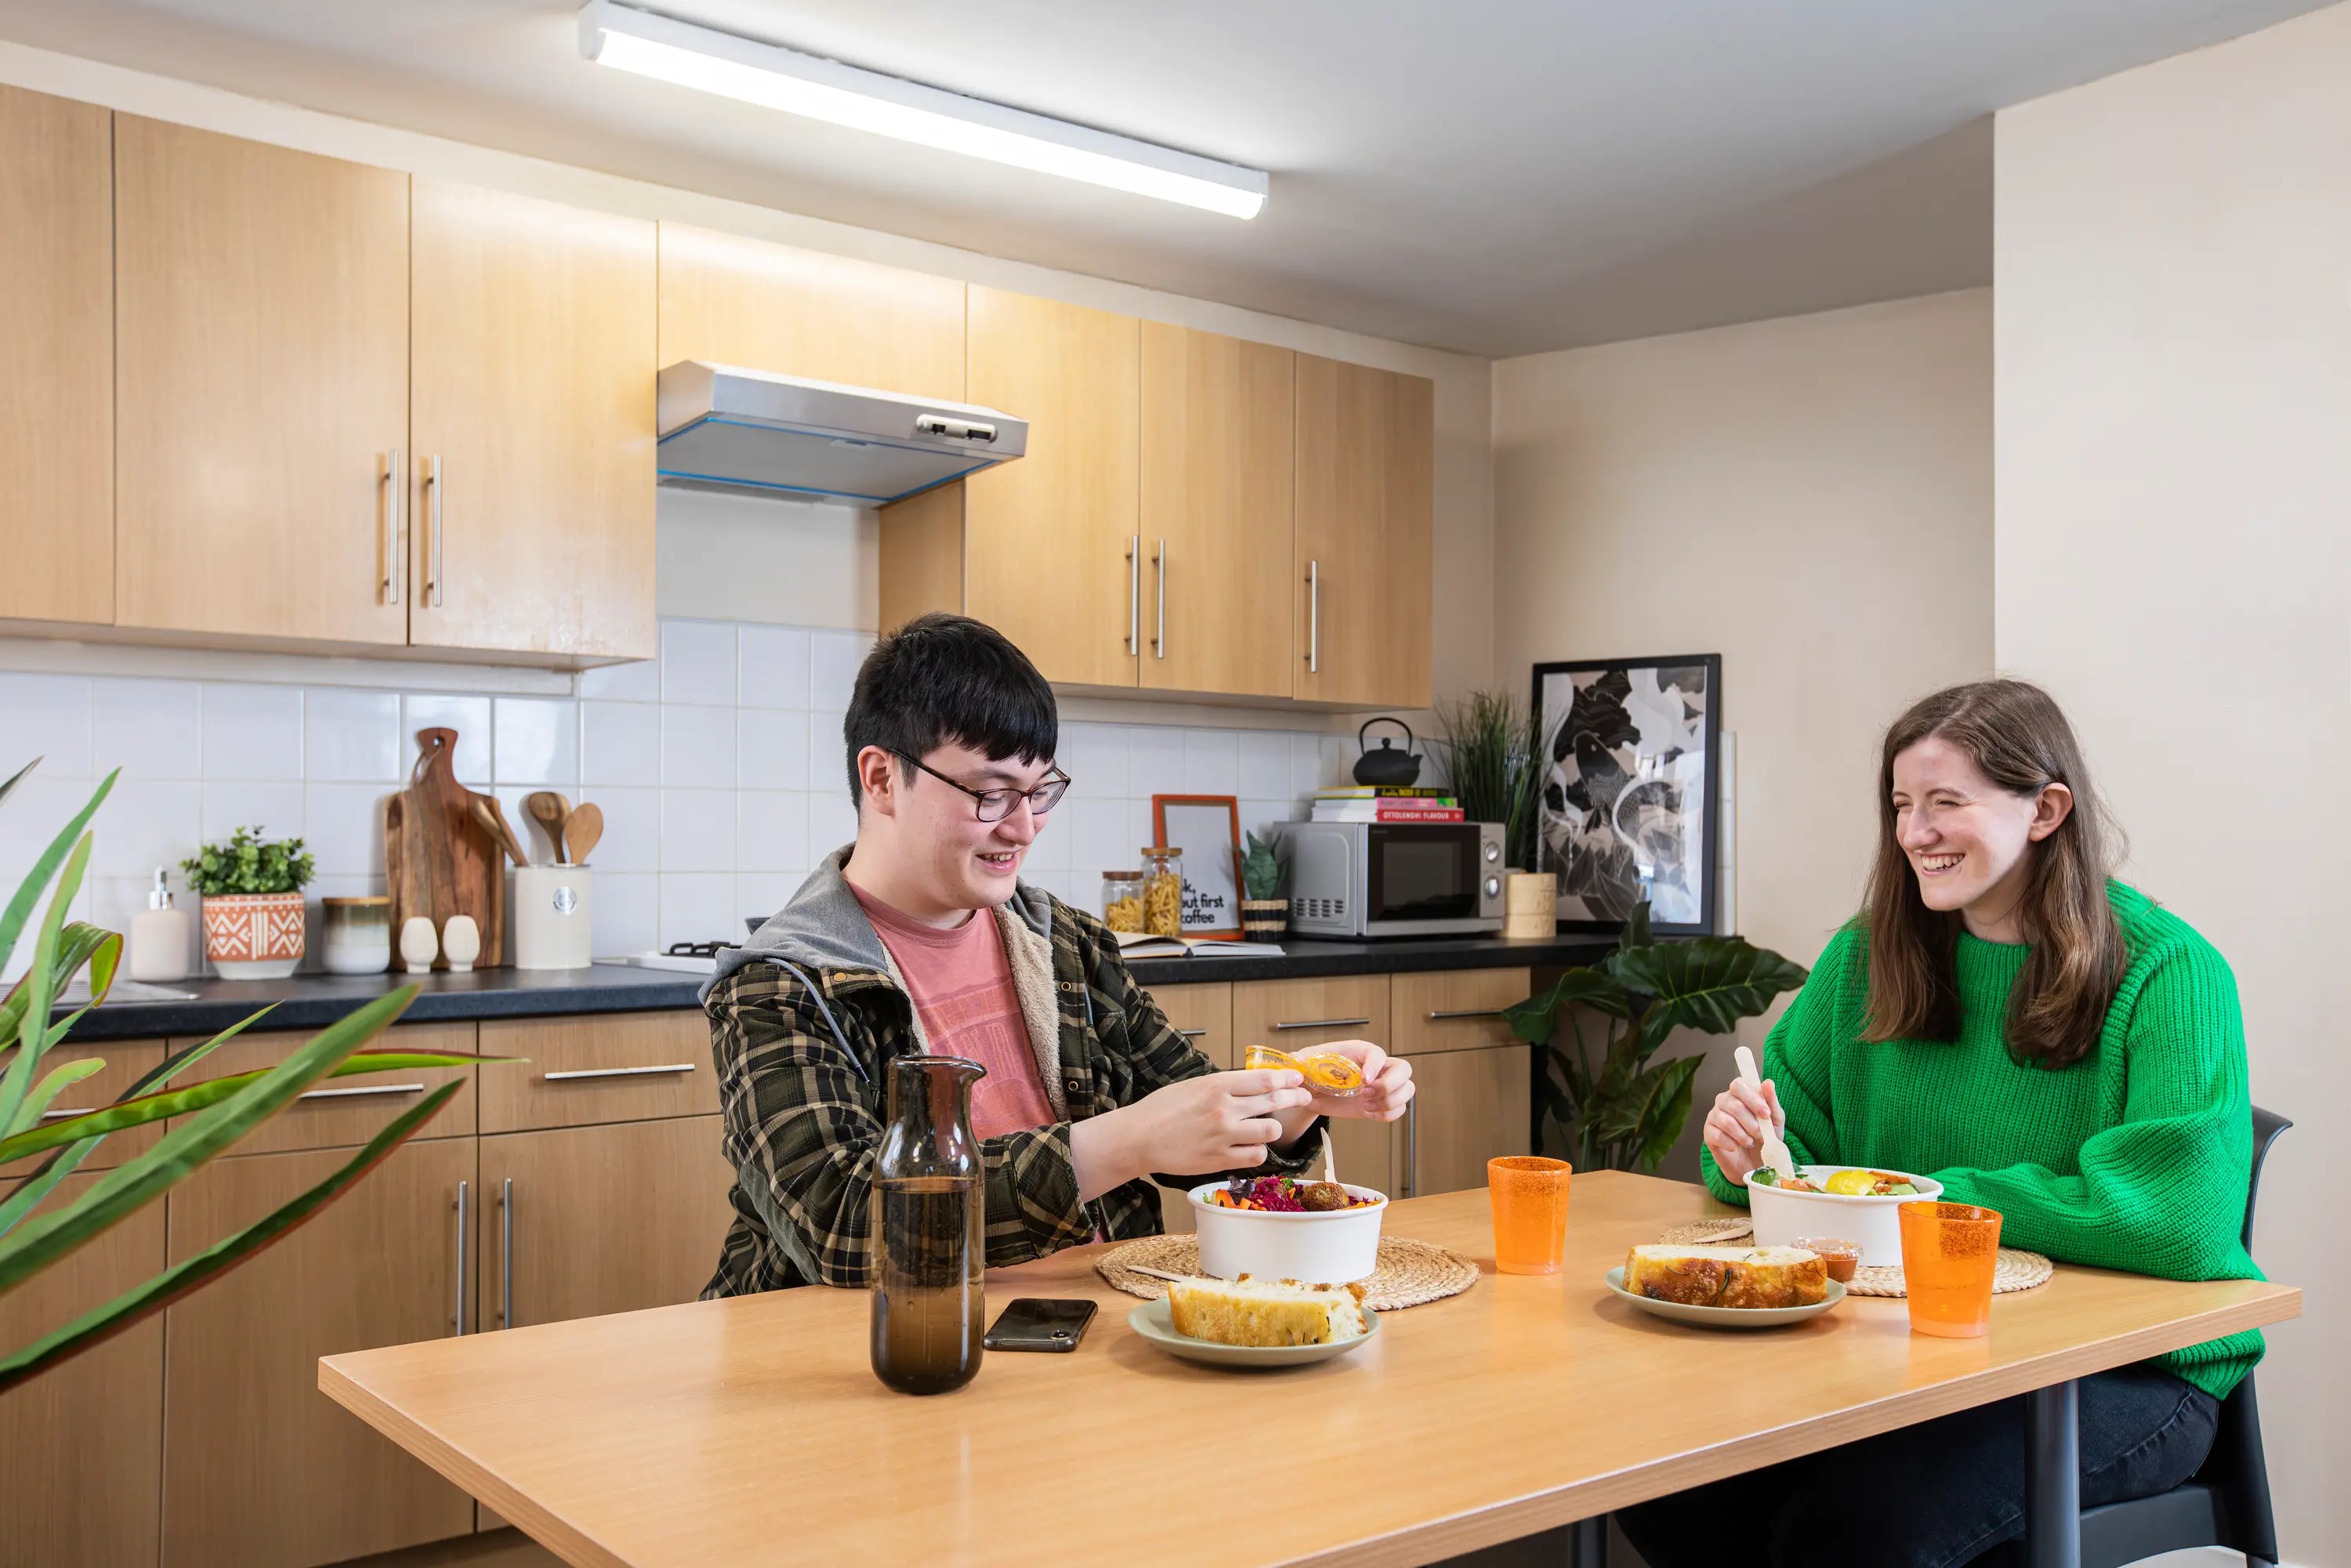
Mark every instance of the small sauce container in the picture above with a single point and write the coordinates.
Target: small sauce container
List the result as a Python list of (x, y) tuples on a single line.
[(1842, 1257)]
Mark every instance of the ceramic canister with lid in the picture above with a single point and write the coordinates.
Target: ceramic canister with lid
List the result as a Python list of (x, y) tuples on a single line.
[(357, 938)]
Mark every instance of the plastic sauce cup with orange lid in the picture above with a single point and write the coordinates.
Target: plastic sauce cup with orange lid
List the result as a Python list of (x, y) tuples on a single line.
[(1842, 1257)]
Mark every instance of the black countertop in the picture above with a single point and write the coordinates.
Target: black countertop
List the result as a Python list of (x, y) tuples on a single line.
[(313, 1001)]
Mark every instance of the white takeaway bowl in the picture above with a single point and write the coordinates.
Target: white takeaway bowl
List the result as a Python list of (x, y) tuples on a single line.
[(1334, 1247), (1874, 1222)]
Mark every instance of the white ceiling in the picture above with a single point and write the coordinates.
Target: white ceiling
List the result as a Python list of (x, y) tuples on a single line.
[(1493, 176)]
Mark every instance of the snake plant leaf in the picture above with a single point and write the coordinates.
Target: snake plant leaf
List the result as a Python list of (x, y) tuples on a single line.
[(1707, 983), (58, 1078), (154, 1107), (1537, 1018), (101, 1323), (121, 1191), (33, 1024), (28, 892)]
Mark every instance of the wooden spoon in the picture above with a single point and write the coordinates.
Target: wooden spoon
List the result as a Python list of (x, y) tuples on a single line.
[(491, 819), (581, 829), (551, 810)]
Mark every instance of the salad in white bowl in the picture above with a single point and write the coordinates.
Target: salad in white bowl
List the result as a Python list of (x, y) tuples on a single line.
[(1859, 1202)]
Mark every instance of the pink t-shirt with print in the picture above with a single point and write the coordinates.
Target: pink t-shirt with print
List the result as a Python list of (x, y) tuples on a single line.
[(962, 988)]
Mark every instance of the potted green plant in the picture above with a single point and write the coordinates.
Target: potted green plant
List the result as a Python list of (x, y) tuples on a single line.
[(43, 1222), (1264, 910), (1623, 1111), (1496, 760), (252, 889)]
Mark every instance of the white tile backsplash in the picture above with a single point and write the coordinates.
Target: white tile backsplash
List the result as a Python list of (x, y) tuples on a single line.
[(150, 729), (252, 732), (718, 767)]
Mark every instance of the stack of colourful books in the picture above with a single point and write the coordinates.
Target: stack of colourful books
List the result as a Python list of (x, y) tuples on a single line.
[(1385, 803)]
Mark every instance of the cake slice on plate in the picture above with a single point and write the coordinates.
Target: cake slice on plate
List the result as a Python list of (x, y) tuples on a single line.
[(1265, 1311)]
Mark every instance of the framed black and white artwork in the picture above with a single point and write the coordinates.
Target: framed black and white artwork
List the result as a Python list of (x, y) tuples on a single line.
[(1629, 800)]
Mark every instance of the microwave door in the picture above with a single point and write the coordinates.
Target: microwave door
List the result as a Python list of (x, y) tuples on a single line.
[(1420, 873)]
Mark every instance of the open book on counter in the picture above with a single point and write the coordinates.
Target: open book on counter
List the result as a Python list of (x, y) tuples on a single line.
[(1144, 944)]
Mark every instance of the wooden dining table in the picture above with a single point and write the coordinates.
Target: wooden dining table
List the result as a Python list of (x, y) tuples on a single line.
[(753, 1430)]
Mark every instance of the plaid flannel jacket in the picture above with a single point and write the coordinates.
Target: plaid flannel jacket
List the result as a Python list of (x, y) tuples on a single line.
[(802, 1033)]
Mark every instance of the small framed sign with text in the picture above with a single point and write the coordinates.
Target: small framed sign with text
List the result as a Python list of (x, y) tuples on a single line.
[(1207, 829)]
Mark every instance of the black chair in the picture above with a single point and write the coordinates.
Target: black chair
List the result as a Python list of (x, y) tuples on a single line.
[(2227, 1503)]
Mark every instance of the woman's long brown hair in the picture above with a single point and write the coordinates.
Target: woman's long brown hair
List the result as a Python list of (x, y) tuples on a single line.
[(2015, 733)]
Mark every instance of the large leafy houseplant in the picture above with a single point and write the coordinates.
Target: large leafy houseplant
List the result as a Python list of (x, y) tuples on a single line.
[(40, 1222), (1622, 1111), (1496, 767)]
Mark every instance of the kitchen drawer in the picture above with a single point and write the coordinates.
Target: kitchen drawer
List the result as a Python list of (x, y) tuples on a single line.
[(127, 1060), (598, 1067), (342, 1110), (1291, 1014), (1203, 1015), (1457, 1009)]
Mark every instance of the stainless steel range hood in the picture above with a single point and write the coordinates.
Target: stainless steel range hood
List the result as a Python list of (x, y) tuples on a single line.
[(748, 430)]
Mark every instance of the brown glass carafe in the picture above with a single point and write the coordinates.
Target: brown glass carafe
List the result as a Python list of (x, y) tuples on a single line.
[(929, 1230)]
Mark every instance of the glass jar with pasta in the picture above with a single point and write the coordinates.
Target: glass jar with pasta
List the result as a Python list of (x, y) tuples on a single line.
[(1121, 900), (1163, 891)]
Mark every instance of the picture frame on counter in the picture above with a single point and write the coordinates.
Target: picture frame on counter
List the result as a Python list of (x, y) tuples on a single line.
[(1629, 809), (1207, 829)]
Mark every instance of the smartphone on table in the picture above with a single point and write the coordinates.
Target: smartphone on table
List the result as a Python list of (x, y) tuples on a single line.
[(1034, 1323)]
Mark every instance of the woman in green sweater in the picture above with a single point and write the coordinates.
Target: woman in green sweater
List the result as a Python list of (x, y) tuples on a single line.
[(2042, 1039)]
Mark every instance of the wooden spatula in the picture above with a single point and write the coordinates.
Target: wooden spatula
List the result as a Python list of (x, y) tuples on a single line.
[(1775, 1148), (492, 819), (581, 829), (550, 810)]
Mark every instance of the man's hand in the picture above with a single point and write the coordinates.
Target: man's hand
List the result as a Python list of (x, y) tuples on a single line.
[(1221, 1121), (1387, 1083)]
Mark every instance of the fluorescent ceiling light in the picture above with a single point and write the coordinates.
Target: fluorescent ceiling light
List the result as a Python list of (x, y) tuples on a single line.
[(711, 61)]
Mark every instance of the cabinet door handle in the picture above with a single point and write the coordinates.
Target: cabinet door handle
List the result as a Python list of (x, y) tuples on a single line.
[(1467, 1013), (1159, 574), (434, 531), (62, 1111), (361, 1090), (615, 1072), (505, 1253), (1412, 1147), (1314, 617), (1326, 1023), (395, 480), (463, 1252), (1134, 593), (1187, 1033)]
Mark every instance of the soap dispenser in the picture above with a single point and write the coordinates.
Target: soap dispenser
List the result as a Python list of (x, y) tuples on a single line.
[(160, 937)]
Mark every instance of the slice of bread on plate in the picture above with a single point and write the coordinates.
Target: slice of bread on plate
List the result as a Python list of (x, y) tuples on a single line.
[(1728, 1276), (1265, 1311)]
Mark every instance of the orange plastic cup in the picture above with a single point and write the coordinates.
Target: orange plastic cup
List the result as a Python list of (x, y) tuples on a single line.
[(1949, 1253), (1530, 1197)]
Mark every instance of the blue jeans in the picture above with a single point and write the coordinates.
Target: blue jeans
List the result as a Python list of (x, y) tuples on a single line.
[(1936, 1495)]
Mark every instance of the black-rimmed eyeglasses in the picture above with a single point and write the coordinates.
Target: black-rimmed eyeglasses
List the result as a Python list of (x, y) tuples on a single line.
[(994, 805)]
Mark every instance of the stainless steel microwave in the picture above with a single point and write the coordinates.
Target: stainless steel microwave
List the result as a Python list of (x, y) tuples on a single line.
[(1394, 879)]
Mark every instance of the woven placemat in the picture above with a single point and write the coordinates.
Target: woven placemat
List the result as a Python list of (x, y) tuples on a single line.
[(2016, 1270), (1410, 1273)]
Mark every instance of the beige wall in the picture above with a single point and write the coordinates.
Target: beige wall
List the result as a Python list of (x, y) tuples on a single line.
[(819, 562), (1810, 498), (2173, 273)]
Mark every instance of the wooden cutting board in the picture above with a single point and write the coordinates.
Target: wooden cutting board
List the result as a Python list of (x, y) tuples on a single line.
[(437, 861)]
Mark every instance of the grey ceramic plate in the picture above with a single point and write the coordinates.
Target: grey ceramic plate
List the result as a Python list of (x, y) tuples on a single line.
[(1725, 1317), (1155, 1323)]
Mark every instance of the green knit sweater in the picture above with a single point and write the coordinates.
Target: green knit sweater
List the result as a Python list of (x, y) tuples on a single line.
[(2136, 1158)]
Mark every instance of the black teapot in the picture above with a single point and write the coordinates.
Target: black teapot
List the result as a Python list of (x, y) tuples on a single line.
[(1387, 765)]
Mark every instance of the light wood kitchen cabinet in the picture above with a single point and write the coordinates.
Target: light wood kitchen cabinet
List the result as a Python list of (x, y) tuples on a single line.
[(1468, 1107), (1203, 1014), (1453, 1009), (84, 1443), (56, 358), (592, 1068), (600, 1219), (1362, 537), (1050, 555), (258, 1469), (342, 1113), (530, 475), (1292, 1015), (767, 306), (1217, 480), (261, 350)]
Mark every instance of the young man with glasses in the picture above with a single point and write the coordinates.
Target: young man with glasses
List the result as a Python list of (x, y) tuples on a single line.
[(921, 937)]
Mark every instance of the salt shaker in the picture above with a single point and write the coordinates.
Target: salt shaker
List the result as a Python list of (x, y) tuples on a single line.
[(418, 945), (461, 943)]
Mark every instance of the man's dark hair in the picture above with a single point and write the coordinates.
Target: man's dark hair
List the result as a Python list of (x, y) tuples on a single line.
[(944, 679)]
